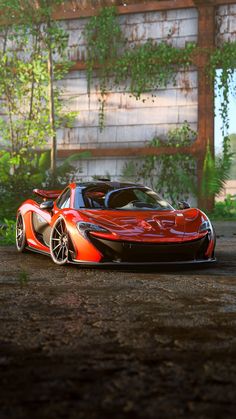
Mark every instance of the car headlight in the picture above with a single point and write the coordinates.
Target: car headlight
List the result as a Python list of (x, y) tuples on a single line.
[(205, 226), (85, 227)]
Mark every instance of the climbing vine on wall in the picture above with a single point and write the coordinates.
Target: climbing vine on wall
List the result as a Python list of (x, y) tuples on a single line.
[(104, 41), (173, 175), (140, 69), (148, 66), (216, 170), (223, 58)]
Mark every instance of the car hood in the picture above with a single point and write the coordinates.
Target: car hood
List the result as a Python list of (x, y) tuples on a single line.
[(148, 225)]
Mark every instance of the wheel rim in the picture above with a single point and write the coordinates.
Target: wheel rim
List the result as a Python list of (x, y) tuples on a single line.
[(59, 242), (20, 232)]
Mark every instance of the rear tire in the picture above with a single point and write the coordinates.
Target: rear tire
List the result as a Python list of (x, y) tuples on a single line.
[(21, 241), (59, 243)]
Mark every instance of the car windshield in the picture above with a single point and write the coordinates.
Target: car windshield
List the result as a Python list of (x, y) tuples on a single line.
[(126, 198)]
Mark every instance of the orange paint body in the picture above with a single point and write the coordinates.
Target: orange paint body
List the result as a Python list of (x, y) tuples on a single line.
[(124, 229)]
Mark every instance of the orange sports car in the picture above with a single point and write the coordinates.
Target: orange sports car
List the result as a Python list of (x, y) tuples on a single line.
[(105, 222)]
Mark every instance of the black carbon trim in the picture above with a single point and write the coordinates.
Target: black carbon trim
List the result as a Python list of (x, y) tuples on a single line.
[(42, 252), (140, 264), (134, 252)]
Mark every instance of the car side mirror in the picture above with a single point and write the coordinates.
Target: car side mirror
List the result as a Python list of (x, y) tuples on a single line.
[(47, 205), (183, 205)]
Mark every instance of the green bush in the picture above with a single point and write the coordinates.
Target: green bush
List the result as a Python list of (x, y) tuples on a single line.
[(225, 210), (32, 173), (7, 232)]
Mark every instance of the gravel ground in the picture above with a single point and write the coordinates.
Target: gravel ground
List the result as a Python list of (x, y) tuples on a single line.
[(110, 344)]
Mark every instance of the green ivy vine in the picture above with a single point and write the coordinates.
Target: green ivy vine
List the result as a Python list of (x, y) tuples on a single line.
[(104, 41), (223, 58), (159, 170), (216, 170), (141, 69), (148, 66)]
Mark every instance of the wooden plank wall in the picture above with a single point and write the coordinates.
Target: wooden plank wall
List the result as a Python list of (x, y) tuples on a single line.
[(207, 22), (212, 27)]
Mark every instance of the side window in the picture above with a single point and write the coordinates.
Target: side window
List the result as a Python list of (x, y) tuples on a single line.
[(144, 196), (79, 200), (64, 200)]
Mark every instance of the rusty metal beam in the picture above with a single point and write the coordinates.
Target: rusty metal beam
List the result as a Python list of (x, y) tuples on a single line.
[(206, 40), (198, 59), (70, 10), (194, 149)]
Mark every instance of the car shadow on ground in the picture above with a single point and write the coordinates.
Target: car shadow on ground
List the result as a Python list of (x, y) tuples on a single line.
[(224, 263)]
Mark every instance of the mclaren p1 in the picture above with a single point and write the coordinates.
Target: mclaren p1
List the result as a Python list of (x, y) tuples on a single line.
[(104, 222)]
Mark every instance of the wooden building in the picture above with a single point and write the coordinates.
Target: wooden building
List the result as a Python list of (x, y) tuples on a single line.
[(130, 123)]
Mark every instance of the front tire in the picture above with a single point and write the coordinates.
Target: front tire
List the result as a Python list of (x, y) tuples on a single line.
[(21, 241), (59, 243)]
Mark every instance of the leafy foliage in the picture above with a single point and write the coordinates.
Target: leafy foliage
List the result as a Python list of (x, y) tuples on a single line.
[(28, 91), (30, 38), (232, 143), (16, 187), (141, 69), (170, 174), (225, 210), (150, 66), (7, 232), (104, 41), (147, 67), (216, 171), (224, 58)]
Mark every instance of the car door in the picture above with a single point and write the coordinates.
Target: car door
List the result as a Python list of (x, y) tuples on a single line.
[(41, 220)]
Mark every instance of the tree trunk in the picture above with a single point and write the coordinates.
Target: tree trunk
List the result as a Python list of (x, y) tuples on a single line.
[(52, 113)]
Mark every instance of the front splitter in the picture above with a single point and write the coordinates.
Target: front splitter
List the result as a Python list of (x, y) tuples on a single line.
[(142, 264)]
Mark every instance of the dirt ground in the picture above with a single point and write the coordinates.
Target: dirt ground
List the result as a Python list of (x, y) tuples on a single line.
[(110, 344)]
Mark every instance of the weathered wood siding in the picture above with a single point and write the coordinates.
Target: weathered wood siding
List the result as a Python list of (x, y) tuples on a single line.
[(226, 23), (130, 122)]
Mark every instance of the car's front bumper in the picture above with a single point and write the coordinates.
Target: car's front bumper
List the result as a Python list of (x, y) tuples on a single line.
[(116, 252)]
